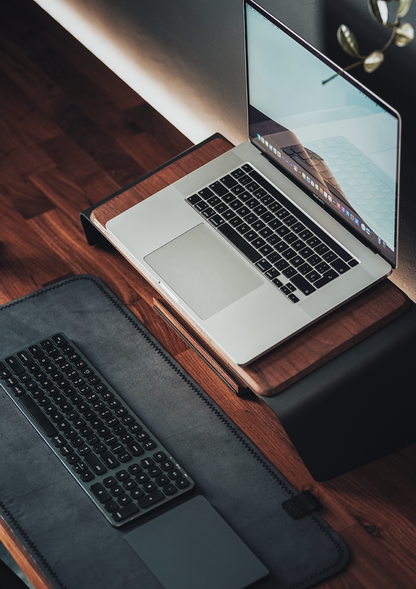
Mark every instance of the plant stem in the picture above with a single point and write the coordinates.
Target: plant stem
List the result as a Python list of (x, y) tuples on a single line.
[(349, 67), (390, 41)]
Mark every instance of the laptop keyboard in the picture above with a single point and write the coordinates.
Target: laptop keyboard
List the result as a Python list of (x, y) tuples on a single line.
[(285, 245), (110, 452)]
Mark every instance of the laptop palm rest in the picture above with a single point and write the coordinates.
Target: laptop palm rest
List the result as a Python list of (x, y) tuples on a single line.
[(192, 546), (203, 271)]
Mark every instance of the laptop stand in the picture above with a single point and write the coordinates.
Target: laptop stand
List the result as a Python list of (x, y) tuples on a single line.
[(290, 363), (293, 359)]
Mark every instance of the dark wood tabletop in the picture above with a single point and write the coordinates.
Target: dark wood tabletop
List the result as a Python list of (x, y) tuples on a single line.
[(72, 133)]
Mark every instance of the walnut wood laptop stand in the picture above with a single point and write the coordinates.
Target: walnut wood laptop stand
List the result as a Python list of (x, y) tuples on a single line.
[(292, 360)]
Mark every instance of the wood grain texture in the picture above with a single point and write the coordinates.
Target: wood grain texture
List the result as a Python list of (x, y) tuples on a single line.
[(148, 186), (54, 112), (25, 560)]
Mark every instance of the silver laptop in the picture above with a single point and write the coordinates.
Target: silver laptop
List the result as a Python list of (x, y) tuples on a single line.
[(270, 237)]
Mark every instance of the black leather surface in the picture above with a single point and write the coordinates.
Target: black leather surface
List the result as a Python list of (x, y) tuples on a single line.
[(356, 408)]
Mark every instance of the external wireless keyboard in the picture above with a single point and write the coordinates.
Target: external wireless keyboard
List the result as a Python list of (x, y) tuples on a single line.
[(110, 452)]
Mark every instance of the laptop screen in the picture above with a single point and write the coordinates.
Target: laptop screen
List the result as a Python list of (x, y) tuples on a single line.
[(326, 131)]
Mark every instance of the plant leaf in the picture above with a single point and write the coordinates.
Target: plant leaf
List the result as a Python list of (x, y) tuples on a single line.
[(373, 61), (379, 10), (404, 7), (348, 41), (404, 34)]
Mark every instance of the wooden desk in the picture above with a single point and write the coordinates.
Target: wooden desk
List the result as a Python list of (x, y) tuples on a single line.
[(72, 134)]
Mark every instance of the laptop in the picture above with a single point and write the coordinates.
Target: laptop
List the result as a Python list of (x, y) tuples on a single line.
[(270, 237)]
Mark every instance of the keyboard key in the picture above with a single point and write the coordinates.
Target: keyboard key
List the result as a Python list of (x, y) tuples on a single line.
[(281, 265), (313, 241), (182, 483), (288, 254), (305, 268), (322, 267), (24, 358), (329, 257), (297, 261), (305, 234), (124, 500), (35, 351), (59, 340), (298, 245), (170, 489), (340, 266), (313, 276), (238, 190), (101, 493), (229, 181), (240, 243), (149, 500), (111, 506), (194, 199), (218, 188), (282, 214), (306, 252), (297, 227), (289, 272), (326, 278), (95, 463), (302, 284), (38, 416), (109, 460), (283, 230), (274, 257), (290, 238), (14, 365), (263, 265), (272, 273), (322, 249), (87, 476), (125, 512)]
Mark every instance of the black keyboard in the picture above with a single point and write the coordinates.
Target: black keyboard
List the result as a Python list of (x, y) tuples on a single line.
[(111, 453), (285, 245)]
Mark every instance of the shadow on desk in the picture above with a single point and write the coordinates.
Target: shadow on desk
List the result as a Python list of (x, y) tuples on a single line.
[(10, 574), (357, 408)]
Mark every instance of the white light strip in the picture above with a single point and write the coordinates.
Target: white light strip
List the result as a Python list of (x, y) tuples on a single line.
[(196, 128)]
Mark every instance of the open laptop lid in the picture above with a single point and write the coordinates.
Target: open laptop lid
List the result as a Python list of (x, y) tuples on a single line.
[(337, 140)]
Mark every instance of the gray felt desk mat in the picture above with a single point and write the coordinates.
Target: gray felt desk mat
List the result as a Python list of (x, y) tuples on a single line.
[(68, 537)]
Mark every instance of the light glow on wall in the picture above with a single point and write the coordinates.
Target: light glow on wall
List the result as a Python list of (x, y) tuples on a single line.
[(165, 98)]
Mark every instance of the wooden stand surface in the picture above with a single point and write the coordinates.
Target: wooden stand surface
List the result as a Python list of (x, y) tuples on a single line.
[(300, 355)]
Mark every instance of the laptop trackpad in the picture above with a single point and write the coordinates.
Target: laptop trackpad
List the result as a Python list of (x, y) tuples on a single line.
[(203, 271), (192, 546)]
